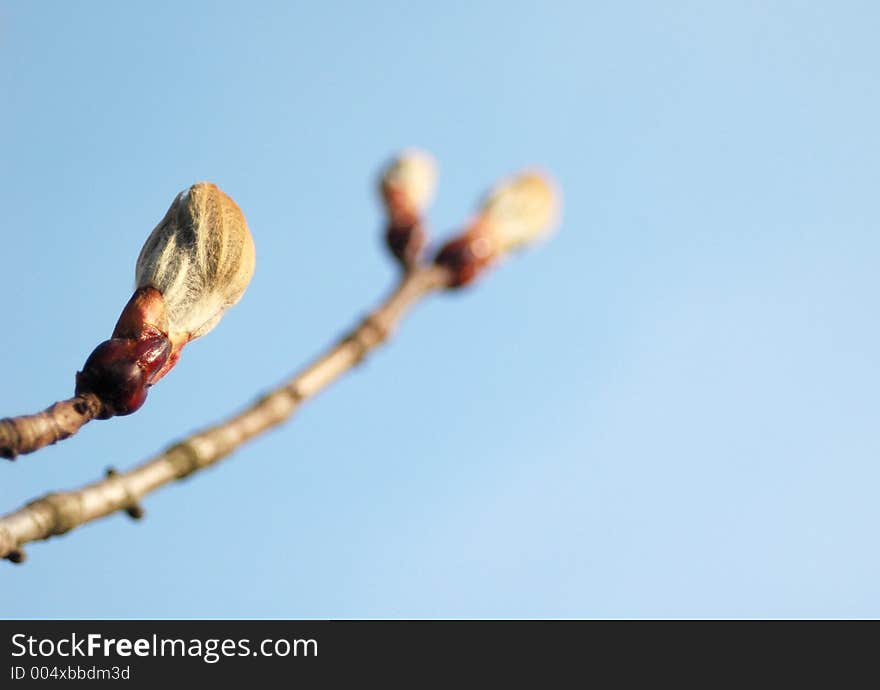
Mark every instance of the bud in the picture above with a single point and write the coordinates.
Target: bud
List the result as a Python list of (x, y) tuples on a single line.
[(200, 257), (407, 186), (517, 211), (195, 264), (409, 181)]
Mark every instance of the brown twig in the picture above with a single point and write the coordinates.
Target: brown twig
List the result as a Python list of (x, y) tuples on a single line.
[(28, 433), (60, 512)]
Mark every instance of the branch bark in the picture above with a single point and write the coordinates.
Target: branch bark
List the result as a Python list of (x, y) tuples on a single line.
[(28, 433), (59, 512)]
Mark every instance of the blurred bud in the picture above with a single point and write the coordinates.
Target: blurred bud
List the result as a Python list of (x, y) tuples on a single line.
[(195, 264), (409, 181), (517, 211), (407, 186), (520, 210)]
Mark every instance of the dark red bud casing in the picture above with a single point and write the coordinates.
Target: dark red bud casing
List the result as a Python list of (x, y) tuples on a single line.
[(405, 236), (406, 242), (120, 370), (462, 257)]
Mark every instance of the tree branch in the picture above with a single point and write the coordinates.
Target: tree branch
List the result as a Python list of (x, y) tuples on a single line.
[(59, 512), (28, 433)]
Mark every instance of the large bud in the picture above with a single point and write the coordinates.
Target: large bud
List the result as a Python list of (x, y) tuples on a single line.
[(195, 264)]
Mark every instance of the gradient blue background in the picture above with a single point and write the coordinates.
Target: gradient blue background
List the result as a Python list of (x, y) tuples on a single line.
[(669, 410)]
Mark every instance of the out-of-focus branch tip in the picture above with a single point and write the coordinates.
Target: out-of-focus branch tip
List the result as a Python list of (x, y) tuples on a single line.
[(407, 186), (518, 211)]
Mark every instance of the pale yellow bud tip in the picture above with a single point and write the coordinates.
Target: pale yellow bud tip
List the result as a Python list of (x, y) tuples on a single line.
[(412, 174), (520, 210), (200, 257)]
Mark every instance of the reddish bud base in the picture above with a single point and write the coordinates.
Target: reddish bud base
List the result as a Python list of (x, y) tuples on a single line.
[(459, 257), (120, 370), (406, 242)]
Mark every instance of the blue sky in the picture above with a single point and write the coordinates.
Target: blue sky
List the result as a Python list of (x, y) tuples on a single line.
[(670, 409)]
